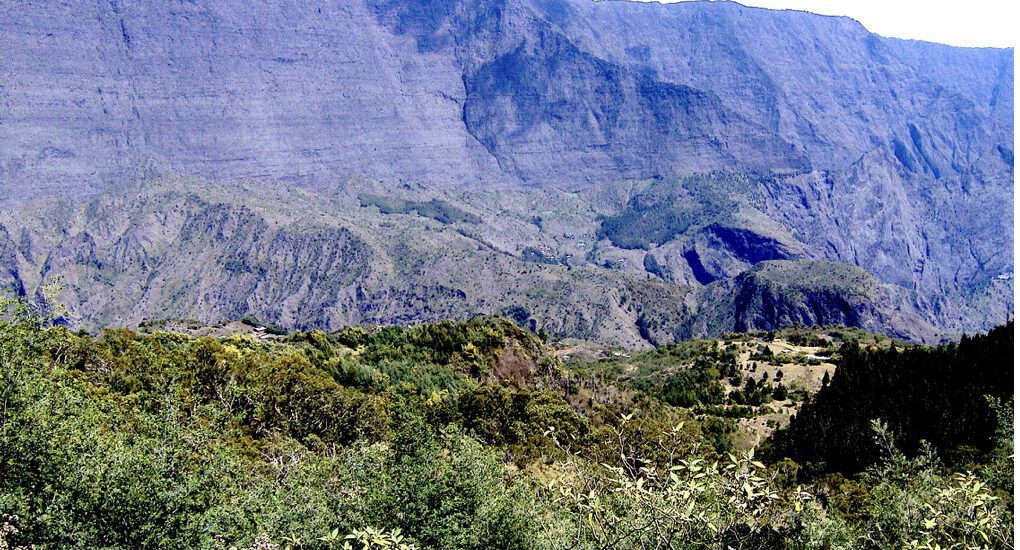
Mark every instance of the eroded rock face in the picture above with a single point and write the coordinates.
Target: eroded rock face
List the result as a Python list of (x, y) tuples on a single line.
[(94, 92), (890, 155), (459, 93), (940, 238), (776, 294), (720, 252)]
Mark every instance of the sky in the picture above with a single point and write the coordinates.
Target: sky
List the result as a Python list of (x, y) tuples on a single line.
[(960, 23)]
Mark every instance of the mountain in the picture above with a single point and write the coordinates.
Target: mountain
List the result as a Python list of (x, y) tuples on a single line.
[(608, 170), (465, 94)]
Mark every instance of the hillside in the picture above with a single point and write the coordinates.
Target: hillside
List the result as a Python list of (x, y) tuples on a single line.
[(935, 395), (500, 274), (467, 434), (681, 143), (451, 93), (190, 249)]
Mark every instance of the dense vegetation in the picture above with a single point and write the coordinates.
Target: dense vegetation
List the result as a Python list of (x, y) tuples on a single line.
[(674, 206), (446, 435), (437, 209), (936, 395)]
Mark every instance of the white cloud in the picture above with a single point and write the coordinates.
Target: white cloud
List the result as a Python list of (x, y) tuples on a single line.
[(969, 23)]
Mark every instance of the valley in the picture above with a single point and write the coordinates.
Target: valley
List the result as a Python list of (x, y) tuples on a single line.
[(385, 161), (515, 274)]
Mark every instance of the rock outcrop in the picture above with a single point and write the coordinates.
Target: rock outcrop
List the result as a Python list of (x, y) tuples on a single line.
[(894, 156)]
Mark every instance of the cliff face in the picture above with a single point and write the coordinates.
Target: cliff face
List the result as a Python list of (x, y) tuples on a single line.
[(477, 93), (894, 156), (98, 91)]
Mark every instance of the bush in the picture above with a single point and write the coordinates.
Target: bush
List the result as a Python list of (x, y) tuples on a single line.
[(385, 436)]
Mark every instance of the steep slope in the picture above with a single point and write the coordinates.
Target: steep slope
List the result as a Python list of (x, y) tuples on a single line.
[(95, 91), (683, 143), (945, 396), (183, 248), (187, 249), (824, 84), (469, 93)]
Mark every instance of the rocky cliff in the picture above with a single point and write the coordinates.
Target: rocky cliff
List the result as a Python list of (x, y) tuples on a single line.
[(765, 135), (472, 93)]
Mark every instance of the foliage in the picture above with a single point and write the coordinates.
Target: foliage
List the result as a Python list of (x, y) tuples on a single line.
[(653, 266), (755, 393), (764, 354), (683, 503), (370, 539), (933, 394), (164, 440), (673, 207), (692, 387), (913, 505), (436, 209), (417, 437), (999, 470)]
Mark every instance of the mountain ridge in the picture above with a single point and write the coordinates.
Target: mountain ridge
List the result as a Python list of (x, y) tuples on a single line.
[(721, 39), (681, 144), (188, 249)]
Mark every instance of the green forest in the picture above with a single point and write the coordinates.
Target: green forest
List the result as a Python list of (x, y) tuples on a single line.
[(475, 434)]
